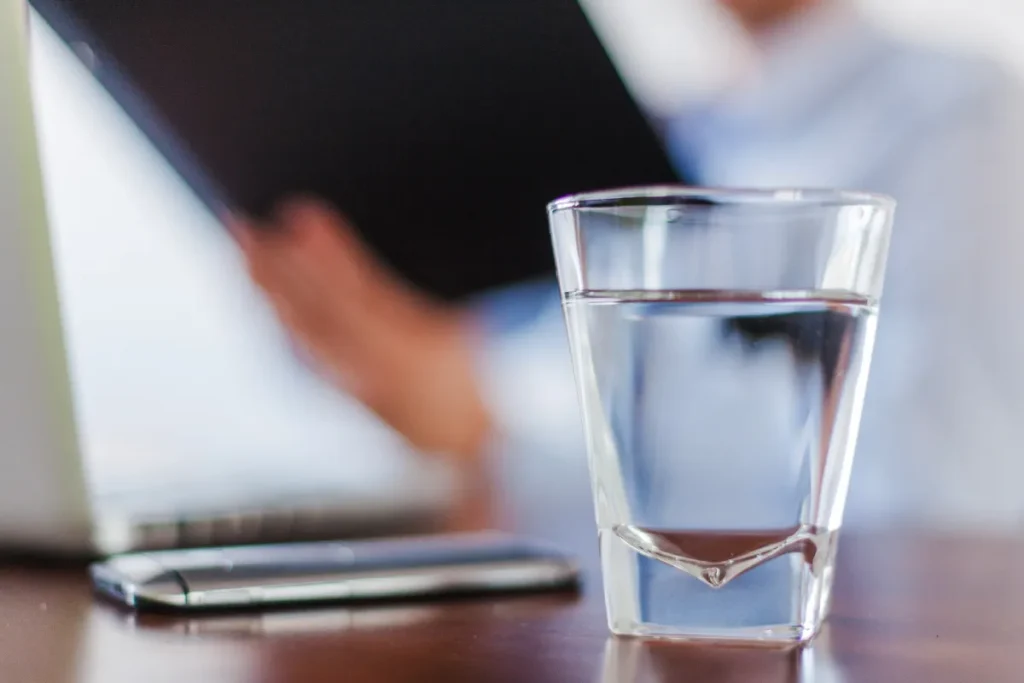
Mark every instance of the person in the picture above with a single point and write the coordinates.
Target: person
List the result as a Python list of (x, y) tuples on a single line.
[(835, 102)]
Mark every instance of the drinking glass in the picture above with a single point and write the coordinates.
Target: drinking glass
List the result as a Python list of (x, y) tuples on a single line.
[(721, 341)]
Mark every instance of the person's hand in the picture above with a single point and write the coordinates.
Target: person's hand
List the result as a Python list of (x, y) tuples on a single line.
[(405, 356)]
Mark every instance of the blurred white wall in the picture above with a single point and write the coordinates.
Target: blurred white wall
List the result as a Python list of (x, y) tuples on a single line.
[(670, 50), (993, 27)]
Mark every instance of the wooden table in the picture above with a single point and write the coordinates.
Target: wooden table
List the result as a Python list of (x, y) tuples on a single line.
[(907, 608)]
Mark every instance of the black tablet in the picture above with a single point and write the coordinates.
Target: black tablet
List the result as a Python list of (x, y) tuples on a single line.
[(440, 127)]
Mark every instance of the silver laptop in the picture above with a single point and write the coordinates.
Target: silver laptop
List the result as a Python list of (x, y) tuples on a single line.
[(147, 397)]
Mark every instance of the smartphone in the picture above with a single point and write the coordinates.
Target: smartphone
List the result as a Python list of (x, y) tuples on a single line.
[(296, 573)]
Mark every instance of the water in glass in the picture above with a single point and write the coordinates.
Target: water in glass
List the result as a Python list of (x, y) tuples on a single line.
[(721, 427)]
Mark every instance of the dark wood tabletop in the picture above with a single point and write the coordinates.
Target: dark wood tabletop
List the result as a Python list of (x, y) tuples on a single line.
[(908, 607)]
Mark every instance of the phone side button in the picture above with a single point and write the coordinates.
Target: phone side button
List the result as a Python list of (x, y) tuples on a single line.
[(226, 597)]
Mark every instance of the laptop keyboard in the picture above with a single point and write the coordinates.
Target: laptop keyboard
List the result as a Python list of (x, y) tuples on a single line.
[(256, 509), (309, 523)]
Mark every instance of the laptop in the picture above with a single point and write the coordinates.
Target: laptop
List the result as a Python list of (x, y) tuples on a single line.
[(147, 397)]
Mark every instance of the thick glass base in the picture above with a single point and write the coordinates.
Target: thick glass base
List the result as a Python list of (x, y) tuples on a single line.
[(776, 594)]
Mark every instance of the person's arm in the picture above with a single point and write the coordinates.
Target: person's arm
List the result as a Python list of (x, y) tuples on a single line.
[(451, 380), (408, 358)]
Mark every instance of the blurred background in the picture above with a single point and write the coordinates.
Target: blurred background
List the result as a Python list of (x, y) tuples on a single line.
[(138, 254), (646, 37)]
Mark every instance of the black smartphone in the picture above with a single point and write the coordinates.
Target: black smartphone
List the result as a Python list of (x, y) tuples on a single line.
[(296, 573)]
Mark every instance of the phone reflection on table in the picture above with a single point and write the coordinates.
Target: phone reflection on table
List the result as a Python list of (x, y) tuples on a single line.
[(309, 621), (334, 619)]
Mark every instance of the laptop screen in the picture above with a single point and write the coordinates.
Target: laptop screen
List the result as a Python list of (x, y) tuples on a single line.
[(181, 377)]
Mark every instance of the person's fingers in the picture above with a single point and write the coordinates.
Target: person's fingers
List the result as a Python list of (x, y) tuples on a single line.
[(340, 272), (274, 257), (328, 246), (377, 301), (368, 332), (295, 261), (318, 218), (325, 288), (316, 314)]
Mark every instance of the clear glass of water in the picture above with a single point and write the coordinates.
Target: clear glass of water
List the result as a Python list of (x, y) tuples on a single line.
[(721, 341)]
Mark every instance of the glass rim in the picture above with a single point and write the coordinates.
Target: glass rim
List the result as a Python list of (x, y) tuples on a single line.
[(662, 195)]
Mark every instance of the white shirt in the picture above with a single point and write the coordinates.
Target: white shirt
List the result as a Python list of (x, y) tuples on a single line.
[(840, 104)]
